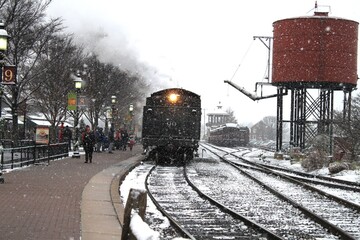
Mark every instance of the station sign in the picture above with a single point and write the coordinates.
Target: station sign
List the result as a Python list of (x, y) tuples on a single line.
[(8, 75)]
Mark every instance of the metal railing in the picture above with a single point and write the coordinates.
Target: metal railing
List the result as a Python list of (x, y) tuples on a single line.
[(13, 157)]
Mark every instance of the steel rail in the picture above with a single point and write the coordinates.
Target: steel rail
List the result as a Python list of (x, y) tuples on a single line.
[(250, 223), (183, 232), (331, 227)]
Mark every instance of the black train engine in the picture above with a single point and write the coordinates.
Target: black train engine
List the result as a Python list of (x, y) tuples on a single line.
[(229, 135), (171, 125)]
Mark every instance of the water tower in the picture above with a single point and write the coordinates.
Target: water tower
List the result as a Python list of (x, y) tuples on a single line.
[(314, 52), (311, 54)]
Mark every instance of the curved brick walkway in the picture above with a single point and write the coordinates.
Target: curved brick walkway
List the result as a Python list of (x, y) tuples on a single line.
[(44, 202)]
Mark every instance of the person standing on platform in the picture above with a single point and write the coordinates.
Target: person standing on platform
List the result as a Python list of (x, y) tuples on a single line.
[(88, 139), (131, 142), (61, 132), (99, 137), (68, 136), (124, 139)]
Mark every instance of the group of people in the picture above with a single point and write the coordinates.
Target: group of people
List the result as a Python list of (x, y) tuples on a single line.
[(119, 139), (99, 142)]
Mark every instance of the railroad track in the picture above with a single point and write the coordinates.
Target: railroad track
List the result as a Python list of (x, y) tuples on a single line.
[(346, 191), (339, 215), (198, 217)]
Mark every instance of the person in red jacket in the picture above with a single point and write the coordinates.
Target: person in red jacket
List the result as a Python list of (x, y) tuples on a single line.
[(61, 132), (131, 143)]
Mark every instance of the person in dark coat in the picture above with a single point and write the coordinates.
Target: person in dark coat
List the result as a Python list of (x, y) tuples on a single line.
[(88, 139), (124, 139), (68, 136), (99, 137)]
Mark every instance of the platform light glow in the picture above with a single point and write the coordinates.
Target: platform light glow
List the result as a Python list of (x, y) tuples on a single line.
[(173, 97)]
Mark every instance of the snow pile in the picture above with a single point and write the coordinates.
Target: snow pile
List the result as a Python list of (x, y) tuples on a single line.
[(141, 230), (136, 179)]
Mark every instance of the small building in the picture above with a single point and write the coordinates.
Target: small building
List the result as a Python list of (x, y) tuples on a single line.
[(217, 117)]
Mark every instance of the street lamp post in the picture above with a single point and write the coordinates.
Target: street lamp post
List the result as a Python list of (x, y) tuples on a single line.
[(107, 117), (78, 84), (113, 102), (3, 48), (131, 110), (112, 129), (94, 114)]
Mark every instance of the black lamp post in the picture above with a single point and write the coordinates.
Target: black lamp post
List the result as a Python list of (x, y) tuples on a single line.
[(131, 110), (3, 48), (107, 117), (113, 102), (78, 84), (4, 37)]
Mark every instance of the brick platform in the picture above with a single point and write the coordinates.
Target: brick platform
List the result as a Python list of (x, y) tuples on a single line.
[(46, 202)]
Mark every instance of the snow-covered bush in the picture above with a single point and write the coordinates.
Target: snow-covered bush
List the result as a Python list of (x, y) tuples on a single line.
[(338, 167), (315, 160), (317, 155)]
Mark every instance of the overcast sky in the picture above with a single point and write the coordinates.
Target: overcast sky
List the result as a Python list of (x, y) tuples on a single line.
[(193, 44)]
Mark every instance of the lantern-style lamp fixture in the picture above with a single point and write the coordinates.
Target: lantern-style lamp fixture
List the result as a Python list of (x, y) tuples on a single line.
[(78, 82), (113, 99), (3, 38)]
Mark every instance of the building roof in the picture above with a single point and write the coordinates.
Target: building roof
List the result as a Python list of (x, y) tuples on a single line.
[(219, 111)]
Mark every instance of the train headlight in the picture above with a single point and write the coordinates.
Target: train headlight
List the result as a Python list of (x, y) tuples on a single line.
[(173, 97)]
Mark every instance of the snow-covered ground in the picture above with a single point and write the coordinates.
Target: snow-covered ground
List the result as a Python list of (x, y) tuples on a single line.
[(136, 180), (258, 154)]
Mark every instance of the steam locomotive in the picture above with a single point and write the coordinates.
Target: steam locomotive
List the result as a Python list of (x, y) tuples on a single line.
[(229, 135), (171, 125)]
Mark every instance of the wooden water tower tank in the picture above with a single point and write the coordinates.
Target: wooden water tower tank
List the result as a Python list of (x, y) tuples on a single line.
[(314, 52)]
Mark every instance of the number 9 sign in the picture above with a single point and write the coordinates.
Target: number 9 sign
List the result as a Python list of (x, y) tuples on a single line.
[(9, 75)]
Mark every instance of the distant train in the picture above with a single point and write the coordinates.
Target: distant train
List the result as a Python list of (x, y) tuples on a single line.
[(171, 125), (229, 135)]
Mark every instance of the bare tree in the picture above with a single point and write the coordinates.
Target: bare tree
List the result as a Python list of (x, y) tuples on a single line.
[(349, 130), (270, 130), (45, 61), (231, 117), (104, 80), (30, 31), (2, 3), (52, 79)]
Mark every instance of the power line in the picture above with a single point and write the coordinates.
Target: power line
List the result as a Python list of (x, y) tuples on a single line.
[(242, 60)]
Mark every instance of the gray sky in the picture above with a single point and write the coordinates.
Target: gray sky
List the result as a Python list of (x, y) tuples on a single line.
[(193, 44)]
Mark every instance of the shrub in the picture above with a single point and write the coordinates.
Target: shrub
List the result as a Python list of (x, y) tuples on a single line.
[(315, 159)]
